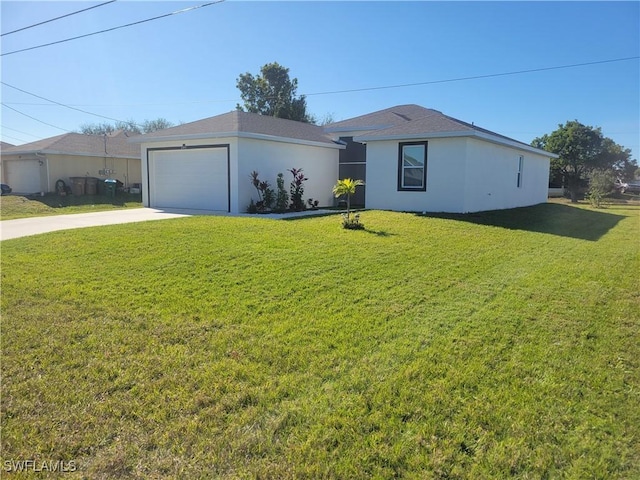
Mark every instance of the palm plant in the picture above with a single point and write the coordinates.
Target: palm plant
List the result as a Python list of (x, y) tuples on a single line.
[(346, 186)]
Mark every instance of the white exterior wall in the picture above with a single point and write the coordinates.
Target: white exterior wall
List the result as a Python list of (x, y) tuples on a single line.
[(233, 156), (491, 180), (446, 160), (319, 165), (268, 158), (463, 175)]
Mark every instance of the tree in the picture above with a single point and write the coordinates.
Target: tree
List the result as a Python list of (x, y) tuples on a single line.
[(347, 187), (273, 93), (583, 149), (130, 126)]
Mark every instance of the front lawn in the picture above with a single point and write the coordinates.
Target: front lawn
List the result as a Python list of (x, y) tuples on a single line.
[(494, 345), (17, 206)]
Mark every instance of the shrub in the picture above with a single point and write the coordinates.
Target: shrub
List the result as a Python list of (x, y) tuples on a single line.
[(297, 189), (265, 193), (282, 197), (352, 223), (601, 184)]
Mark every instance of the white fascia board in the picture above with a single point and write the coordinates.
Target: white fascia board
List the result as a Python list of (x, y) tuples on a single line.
[(70, 154), (480, 135), (413, 136), (514, 144), (256, 136)]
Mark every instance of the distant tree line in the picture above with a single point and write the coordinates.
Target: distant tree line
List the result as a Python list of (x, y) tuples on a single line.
[(130, 126)]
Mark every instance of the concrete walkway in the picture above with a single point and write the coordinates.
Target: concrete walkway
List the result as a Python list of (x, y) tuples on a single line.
[(24, 227)]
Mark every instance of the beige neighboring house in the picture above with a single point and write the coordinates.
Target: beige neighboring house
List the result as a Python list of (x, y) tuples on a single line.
[(36, 167)]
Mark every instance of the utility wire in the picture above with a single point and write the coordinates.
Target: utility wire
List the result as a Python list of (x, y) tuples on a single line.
[(62, 104), (19, 131), (15, 138), (449, 80), (177, 12), (33, 118), (475, 77), (57, 18)]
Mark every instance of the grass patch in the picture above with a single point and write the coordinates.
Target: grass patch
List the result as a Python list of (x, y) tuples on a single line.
[(424, 347), (16, 206)]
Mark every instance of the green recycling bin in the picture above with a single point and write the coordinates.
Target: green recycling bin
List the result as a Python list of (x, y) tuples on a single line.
[(110, 187)]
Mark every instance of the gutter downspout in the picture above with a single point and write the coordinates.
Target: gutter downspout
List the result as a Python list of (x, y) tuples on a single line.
[(46, 166)]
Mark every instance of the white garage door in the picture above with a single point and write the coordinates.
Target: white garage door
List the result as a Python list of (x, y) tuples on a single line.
[(23, 176), (195, 178)]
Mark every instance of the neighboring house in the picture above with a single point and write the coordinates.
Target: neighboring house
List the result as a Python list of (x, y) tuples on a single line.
[(4, 145), (418, 159), (206, 165), (35, 167)]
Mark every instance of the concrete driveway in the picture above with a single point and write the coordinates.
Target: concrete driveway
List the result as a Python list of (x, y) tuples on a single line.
[(24, 227)]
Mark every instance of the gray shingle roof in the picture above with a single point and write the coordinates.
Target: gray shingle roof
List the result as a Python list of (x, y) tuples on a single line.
[(414, 121), (433, 123), (237, 122), (4, 145), (389, 117), (113, 145)]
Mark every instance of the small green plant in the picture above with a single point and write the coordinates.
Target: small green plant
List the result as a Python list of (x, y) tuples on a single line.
[(282, 197), (352, 223), (265, 193), (346, 187), (600, 185), (313, 204), (297, 189)]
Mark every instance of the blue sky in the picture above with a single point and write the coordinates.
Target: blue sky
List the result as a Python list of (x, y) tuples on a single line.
[(184, 67)]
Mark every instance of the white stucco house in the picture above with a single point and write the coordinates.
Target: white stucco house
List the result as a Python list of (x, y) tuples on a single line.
[(36, 166), (418, 159), (412, 159), (207, 164)]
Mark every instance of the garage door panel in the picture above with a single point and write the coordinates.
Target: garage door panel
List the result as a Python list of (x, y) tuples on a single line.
[(193, 179), (23, 176)]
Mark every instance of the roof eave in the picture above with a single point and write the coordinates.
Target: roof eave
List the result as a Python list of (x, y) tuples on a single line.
[(474, 134), (256, 136), (73, 154)]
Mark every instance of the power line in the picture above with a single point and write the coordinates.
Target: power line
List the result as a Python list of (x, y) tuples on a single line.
[(57, 18), (62, 104), (449, 80), (475, 77), (33, 118), (177, 12), (19, 131), (15, 138)]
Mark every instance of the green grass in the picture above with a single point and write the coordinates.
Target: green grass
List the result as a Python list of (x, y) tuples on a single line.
[(495, 345), (16, 206)]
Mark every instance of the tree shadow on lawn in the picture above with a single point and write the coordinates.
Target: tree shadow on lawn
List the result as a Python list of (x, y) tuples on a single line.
[(57, 201), (554, 219)]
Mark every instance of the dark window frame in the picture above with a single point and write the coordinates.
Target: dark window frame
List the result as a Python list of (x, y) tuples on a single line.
[(401, 187), (520, 171)]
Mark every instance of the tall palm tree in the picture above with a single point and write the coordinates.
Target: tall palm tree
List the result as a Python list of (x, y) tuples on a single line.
[(346, 186)]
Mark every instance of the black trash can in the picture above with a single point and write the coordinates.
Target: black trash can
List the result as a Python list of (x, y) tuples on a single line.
[(110, 187)]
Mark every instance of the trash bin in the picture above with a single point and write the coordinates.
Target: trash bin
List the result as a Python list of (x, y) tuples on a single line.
[(77, 185), (110, 187), (91, 186)]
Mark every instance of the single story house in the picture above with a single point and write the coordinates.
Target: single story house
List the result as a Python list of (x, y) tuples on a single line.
[(207, 164), (417, 159), (37, 166), (412, 159)]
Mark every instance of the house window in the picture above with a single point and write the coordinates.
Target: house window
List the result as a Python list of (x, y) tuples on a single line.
[(520, 165), (412, 166)]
